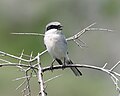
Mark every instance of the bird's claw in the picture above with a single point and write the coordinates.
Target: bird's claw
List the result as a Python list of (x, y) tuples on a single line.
[(63, 66), (51, 67)]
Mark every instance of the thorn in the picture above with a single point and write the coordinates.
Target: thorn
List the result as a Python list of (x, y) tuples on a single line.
[(53, 78), (105, 65)]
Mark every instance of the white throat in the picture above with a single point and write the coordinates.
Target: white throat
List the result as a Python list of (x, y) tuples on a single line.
[(53, 31)]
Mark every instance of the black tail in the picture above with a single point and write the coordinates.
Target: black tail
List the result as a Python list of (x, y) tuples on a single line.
[(59, 61), (75, 70)]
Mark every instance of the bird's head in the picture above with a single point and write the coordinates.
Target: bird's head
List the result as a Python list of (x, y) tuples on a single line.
[(54, 25)]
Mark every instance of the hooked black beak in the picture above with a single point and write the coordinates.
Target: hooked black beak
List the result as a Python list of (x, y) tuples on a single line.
[(60, 27)]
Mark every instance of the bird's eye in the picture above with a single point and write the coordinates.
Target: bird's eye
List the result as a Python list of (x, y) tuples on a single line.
[(59, 26)]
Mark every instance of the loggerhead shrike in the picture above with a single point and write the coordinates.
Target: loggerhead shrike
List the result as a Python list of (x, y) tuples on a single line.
[(56, 45)]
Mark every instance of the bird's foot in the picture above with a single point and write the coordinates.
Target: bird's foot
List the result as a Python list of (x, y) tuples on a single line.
[(63, 66), (51, 67)]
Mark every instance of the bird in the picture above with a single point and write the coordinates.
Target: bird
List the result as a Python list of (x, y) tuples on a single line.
[(56, 45)]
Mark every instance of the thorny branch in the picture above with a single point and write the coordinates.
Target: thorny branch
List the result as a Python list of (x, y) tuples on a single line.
[(32, 66), (74, 37), (40, 78), (114, 75)]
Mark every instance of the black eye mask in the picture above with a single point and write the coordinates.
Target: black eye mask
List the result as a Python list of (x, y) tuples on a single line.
[(58, 27)]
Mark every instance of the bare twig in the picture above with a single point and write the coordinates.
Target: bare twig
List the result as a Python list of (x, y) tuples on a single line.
[(39, 54), (28, 89), (16, 64), (104, 65), (53, 78), (23, 77), (13, 56), (77, 35), (99, 29), (36, 34), (115, 81), (21, 84), (115, 66), (21, 56), (19, 62), (6, 61)]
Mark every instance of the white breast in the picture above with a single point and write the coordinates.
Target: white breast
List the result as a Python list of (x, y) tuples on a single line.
[(56, 44)]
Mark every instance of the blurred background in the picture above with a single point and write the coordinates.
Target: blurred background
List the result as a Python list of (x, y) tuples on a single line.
[(75, 15)]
